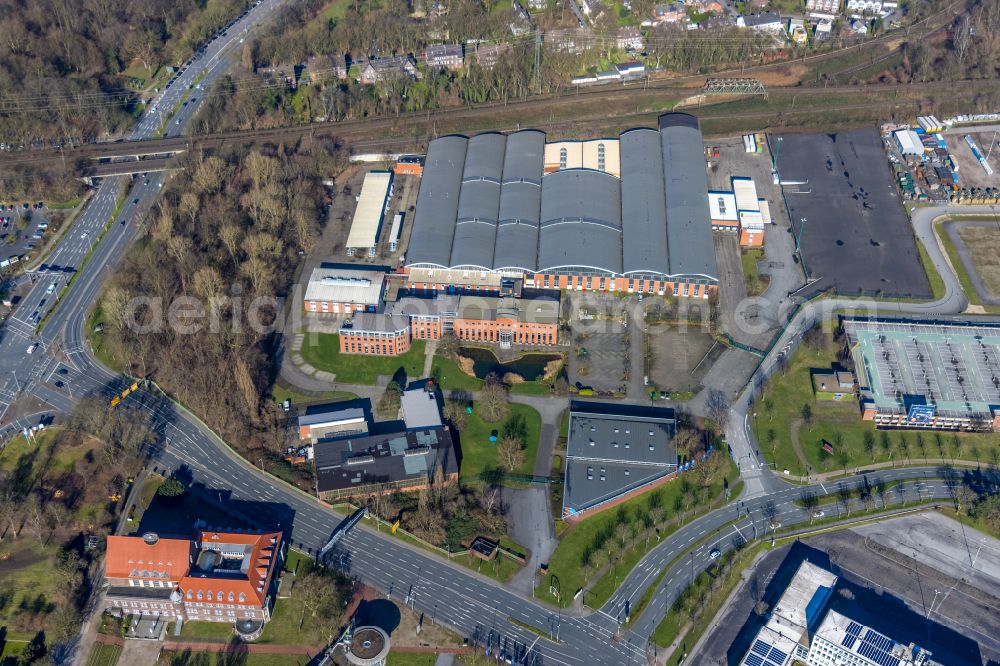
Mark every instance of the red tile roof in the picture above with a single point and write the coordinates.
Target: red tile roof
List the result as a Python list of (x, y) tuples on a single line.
[(253, 586), (132, 557)]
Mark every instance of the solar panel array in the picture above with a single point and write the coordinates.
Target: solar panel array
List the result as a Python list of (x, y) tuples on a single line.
[(853, 630), (877, 648), (763, 654)]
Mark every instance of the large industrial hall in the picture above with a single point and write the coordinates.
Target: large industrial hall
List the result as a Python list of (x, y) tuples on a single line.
[(627, 214)]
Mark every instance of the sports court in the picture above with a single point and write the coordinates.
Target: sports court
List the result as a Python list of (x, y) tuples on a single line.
[(953, 366), (854, 235)]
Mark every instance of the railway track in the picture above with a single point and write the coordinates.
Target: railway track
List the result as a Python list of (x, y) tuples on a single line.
[(358, 130)]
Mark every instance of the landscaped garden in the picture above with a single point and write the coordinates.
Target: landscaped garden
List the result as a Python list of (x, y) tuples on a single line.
[(792, 426), (325, 354)]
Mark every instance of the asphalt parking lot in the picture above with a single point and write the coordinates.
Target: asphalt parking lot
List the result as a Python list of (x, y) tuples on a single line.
[(854, 235), (18, 228), (896, 576)]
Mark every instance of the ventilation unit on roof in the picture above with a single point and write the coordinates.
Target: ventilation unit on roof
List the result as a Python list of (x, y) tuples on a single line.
[(345, 282), (360, 460), (416, 451), (150, 538)]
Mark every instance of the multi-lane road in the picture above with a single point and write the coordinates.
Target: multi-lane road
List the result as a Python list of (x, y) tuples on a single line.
[(61, 331)]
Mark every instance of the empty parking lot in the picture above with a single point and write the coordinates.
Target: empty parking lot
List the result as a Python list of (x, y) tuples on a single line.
[(853, 233)]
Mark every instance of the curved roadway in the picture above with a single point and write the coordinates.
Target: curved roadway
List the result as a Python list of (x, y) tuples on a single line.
[(449, 594)]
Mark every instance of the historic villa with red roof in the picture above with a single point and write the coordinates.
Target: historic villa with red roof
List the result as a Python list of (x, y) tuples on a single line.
[(218, 576)]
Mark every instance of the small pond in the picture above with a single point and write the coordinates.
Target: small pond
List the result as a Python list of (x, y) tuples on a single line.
[(529, 366)]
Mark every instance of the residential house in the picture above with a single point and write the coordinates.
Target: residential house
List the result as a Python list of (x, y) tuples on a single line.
[(823, 6), (672, 12), (797, 31), (572, 40), (537, 5), (326, 68), (865, 6), (216, 576), (629, 38), (445, 56), (766, 22), (859, 26), (522, 23), (824, 30), (489, 54), (382, 69), (706, 6), (590, 8)]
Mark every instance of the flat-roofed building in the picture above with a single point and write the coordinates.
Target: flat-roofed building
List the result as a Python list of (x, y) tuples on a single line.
[(336, 289), (842, 640), (785, 637), (614, 452), (626, 215), (503, 320), (331, 421), (410, 165), (375, 335), (370, 211), (926, 374), (384, 463), (508, 321), (722, 208), (418, 408)]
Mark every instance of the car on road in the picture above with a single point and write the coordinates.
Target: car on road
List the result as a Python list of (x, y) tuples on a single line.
[(715, 554), (135, 201), (60, 384), (62, 371), (818, 513), (32, 347), (51, 288)]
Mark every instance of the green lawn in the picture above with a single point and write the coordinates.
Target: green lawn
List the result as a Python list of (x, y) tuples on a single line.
[(104, 655), (279, 394), (565, 563), (358, 368), (411, 659), (479, 454), (103, 352), (336, 10), (249, 659), (956, 261), (451, 376), (756, 283), (215, 631), (937, 283), (14, 643), (840, 424)]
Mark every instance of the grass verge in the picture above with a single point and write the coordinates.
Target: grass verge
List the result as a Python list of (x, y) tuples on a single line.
[(358, 368)]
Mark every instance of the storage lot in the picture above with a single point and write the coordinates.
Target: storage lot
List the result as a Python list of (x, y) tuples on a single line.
[(855, 237)]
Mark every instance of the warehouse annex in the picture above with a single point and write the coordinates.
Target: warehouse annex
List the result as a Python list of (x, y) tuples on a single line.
[(627, 214)]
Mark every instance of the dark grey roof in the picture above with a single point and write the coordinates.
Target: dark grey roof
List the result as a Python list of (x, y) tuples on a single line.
[(520, 201), (689, 226), (479, 202), (644, 212), (612, 453), (581, 221), (331, 412), (437, 203), (371, 322), (484, 203), (384, 458)]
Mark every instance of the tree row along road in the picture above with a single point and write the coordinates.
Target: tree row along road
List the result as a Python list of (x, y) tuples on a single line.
[(425, 123)]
